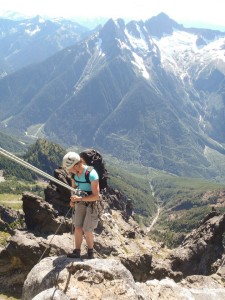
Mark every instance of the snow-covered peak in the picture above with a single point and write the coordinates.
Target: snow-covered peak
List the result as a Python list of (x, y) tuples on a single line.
[(179, 52)]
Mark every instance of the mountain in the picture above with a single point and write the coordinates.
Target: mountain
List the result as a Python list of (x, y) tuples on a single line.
[(150, 92), (87, 22), (24, 42)]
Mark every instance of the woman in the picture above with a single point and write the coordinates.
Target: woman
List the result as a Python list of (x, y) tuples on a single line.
[(85, 218)]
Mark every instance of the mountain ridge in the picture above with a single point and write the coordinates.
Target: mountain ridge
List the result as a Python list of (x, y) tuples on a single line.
[(28, 41)]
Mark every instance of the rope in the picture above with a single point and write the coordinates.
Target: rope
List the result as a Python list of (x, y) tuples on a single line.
[(72, 228), (36, 170), (53, 236)]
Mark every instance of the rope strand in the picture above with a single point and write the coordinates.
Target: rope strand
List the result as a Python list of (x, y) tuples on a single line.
[(53, 236)]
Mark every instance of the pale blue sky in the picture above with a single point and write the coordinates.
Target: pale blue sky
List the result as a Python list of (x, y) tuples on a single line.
[(184, 12)]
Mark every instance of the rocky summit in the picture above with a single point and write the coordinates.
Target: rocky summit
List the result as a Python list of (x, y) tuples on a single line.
[(127, 264)]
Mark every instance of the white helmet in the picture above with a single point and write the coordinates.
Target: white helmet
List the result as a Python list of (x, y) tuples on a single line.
[(70, 159)]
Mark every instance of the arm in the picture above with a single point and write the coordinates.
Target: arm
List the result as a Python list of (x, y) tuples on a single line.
[(74, 186), (73, 183)]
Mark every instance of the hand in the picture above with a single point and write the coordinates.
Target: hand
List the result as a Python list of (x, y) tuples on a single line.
[(75, 198), (72, 204)]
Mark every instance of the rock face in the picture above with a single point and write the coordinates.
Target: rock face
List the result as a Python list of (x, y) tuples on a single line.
[(201, 249), (40, 216), (200, 253), (127, 263), (57, 195)]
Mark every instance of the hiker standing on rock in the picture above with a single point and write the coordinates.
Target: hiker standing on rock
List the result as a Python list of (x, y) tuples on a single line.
[(85, 217)]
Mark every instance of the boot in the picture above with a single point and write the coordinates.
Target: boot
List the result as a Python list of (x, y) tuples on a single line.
[(90, 253), (74, 254)]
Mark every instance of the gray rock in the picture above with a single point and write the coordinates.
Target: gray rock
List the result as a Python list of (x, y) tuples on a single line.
[(40, 216), (167, 289), (88, 279)]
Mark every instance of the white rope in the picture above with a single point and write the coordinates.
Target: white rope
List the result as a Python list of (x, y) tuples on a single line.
[(32, 168), (53, 236)]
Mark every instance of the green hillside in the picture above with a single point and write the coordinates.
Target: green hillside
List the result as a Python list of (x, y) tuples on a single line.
[(11, 143), (10, 168), (136, 187), (182, 202)]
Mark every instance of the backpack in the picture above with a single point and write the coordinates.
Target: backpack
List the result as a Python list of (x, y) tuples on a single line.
[(94, 158)]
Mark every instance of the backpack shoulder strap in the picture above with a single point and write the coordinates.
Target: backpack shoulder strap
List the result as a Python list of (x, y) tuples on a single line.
[(87, 173)]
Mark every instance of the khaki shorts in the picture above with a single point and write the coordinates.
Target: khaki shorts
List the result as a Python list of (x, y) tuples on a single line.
[(85, 216)]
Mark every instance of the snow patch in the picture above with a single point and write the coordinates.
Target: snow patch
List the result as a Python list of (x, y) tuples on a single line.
[(99, 48), (201, 121), (41, 20), (179, 49), (32, 32), (122, 45), (139, 63), (137, 43)]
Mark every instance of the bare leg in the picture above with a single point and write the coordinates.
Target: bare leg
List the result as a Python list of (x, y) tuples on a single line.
[(89, 239), (78, 233)]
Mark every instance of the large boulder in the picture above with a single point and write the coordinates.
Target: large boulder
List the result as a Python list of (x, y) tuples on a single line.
[(58, 195), (40, 216), (91, 279)]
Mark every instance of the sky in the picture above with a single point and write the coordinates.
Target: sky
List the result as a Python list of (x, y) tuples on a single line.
[(186, 12)]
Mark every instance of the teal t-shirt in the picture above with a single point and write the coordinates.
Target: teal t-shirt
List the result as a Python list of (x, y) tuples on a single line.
[(81, 181)]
